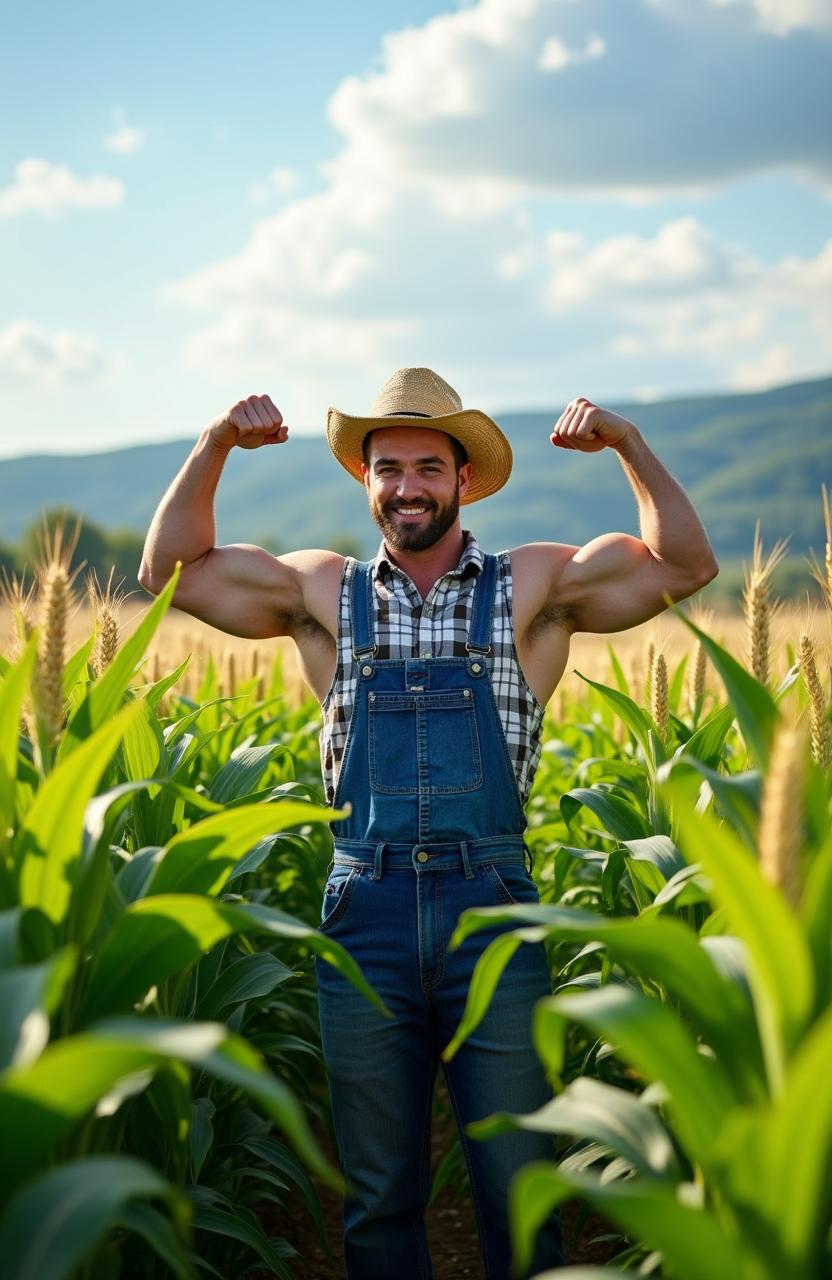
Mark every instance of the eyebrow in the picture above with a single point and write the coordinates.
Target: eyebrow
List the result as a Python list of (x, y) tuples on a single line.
[(384, 462)]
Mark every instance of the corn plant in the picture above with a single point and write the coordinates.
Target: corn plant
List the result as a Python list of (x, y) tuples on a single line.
[(122, 1004), (715, 1166)]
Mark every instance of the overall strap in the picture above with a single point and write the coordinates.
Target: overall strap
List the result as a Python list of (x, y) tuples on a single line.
[(361, 609), (482, 611)]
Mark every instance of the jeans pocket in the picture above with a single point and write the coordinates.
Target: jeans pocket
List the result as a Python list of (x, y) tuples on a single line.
[(513, 883), (337, 893)]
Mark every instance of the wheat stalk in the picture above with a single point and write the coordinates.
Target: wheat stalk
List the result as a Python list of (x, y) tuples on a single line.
[(105, 605), (758, 607), (18, 600), (56, 601), (820, 731), (703, 619), (658, 691), (782, 812)]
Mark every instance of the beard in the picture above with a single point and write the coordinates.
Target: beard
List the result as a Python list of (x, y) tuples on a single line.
[(403, 536)]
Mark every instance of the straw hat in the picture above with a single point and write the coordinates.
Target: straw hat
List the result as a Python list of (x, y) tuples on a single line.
[(420, 398)]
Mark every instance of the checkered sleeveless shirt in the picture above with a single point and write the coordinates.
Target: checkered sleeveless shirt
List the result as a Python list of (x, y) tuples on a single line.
[(406, 626)]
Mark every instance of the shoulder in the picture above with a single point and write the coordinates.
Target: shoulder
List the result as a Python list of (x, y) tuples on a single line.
[(535, 569)]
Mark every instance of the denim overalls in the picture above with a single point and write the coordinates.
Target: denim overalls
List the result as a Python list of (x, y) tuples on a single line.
[(436, 827)]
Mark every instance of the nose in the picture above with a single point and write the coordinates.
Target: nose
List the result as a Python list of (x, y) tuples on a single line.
[(407, 488)]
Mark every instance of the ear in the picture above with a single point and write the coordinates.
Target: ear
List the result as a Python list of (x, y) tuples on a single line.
[(466, 472)]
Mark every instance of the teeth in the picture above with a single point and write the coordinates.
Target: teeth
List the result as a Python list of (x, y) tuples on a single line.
[(411, 511)]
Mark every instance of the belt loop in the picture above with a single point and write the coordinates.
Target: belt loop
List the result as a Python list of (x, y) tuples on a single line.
[(469, 875), (376, 872)]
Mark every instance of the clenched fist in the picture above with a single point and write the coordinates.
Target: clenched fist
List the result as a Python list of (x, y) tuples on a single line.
[(252, 422), (585, 426)]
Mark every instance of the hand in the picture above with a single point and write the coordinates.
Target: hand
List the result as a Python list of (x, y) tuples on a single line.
[(252, 422), (584, 426)]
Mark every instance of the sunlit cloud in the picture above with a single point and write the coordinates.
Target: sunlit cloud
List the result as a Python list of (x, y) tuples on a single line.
[(124, 139), (280, 182), (50, 189), (31, 355)]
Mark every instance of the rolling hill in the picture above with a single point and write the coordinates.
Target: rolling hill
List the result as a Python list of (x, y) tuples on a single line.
[(739, 456)]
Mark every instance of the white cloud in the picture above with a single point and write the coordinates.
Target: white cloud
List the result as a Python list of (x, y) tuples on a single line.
[(684, 293), (468, 97), (124, 139), (682, 255), (555, 56), (422, 230), (783, 16), (32, 355), (776, 365), (280, 182), (42, 187)]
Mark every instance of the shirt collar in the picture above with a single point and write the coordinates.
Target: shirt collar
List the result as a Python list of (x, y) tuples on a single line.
[(471, 560)]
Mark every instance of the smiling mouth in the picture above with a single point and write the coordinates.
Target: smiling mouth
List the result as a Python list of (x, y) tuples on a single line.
[(410, 511)]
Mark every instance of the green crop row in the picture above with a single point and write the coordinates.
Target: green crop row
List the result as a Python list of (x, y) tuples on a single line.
[(162, 862)]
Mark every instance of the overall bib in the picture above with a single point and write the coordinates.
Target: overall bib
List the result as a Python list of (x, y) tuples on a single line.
[(436, 827)]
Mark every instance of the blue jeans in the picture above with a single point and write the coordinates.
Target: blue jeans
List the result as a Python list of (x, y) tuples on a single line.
[(396, 925)]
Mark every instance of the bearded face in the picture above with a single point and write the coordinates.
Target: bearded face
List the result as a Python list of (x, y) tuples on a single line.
[(414, 482), (414, 525)]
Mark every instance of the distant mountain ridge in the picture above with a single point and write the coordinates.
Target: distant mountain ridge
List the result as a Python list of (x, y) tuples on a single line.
[(738, 456)]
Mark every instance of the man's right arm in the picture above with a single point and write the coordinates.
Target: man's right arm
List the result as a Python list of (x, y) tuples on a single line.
[(241, 589)]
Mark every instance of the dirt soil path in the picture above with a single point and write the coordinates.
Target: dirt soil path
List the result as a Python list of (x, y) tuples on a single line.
[(452, 1232)]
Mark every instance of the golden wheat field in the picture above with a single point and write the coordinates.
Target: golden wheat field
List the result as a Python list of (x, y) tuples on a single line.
[(238, 659)]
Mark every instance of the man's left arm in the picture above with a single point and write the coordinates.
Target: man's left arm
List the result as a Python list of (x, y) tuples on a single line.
[(617, 581)]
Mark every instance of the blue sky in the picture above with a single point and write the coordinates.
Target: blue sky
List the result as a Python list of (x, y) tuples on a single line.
[(540, 199)]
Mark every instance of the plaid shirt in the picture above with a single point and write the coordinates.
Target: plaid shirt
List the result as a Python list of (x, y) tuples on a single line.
[(437, 627)]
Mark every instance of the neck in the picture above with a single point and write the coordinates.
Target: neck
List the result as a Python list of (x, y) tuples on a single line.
[(424, 568)]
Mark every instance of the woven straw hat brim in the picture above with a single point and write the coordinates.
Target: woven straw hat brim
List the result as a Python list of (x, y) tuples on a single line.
[(487, 447)]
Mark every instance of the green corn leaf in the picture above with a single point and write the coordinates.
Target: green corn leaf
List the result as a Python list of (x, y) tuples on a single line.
[(201, 1133), (155, 692), (816, 915), (249, 978), (104, 695), (278, 1156), (160, 936), (589, 1108), (707, 742), (242, 771), (795, 1183), (235, 1227), (661, 951), (75, 668), (637, 721), (618, 671), (690, 1239), (781, 965), (9, 932), (48, 845), (200, 859), (143, 749), (12, 692), (619, 817), (58, 1219), (654, 1039), (144, 1220), (41, 1102), (29, 995), (754, 707)]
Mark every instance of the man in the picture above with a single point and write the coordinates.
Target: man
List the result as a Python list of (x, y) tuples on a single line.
[(433, 664)]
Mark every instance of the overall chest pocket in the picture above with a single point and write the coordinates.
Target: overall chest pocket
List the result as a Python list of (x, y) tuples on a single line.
[(427, 743)]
